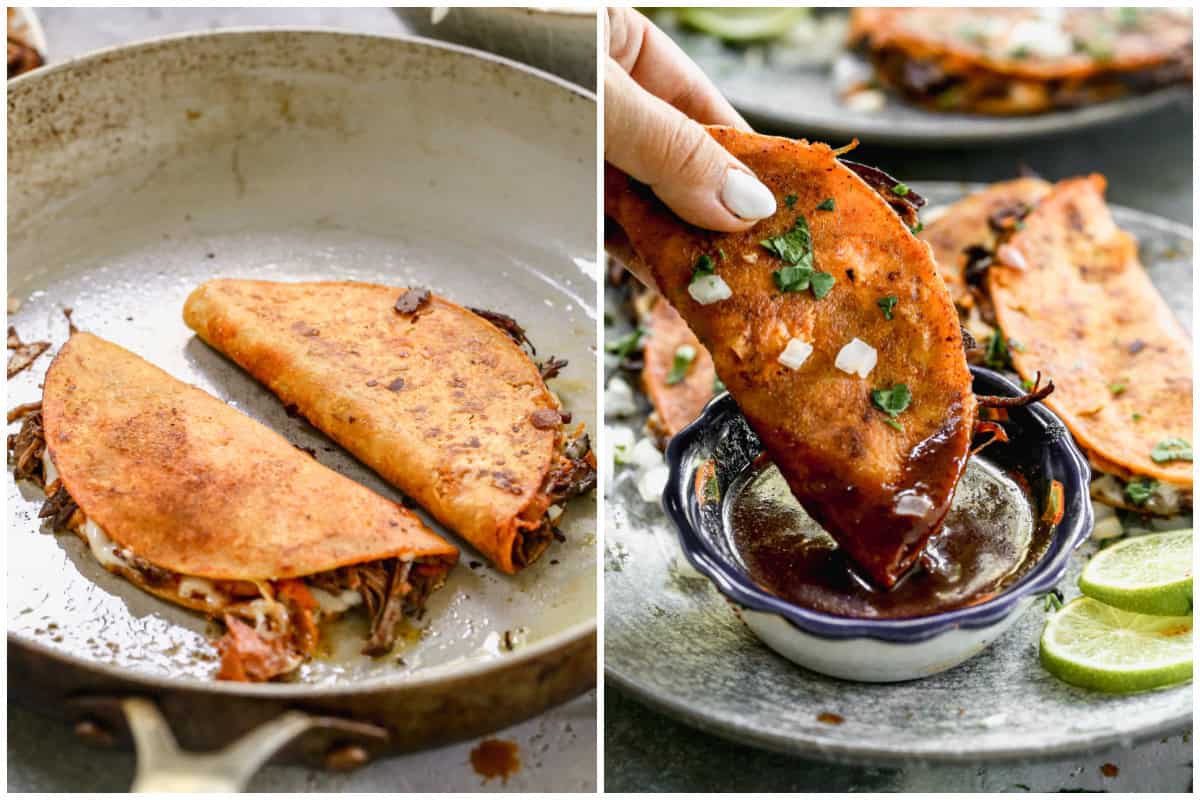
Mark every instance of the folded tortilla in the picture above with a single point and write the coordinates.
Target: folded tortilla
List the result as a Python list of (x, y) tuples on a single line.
[(678, 396), (205, 507), (1023, 60), (1069, 290), (879, 482), (435, 398), (976, 221)]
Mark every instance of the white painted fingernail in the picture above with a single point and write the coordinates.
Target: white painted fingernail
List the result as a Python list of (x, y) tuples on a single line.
[(746, 197)]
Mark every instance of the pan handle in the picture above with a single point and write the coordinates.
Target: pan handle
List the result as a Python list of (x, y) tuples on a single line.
[(163, 767)]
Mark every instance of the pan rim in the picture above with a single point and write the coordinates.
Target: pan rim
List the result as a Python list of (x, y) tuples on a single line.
[(574, 635)]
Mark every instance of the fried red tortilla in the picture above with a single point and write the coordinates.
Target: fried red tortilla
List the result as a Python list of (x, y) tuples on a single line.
[(880, 491), (439, 400), (1023, 60), (675, 404), (201, 505), (1069, 288)]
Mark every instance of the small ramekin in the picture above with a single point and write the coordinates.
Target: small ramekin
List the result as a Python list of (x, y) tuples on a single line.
[(876, 650)]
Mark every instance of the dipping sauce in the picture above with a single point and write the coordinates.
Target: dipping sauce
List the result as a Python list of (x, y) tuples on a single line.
[(990, 539)]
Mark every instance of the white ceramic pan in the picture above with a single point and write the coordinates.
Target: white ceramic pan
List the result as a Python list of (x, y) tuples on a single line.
[(136, 173)]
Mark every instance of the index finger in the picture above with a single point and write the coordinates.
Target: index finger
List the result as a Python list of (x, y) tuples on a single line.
[(660, 67)]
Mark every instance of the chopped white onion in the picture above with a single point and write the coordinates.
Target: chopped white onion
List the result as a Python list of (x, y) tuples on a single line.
[(857, 358), (795, 354), (554, 512), (1041, 37), (438, 13), (644, 454), (618, 398), (865, 101), (1011, 257), (1107, 528), (913, 505), (651, 482), (620, 442), (709, 289)]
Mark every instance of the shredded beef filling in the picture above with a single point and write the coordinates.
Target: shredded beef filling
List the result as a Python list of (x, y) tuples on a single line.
[(247, 655), (27, 446)]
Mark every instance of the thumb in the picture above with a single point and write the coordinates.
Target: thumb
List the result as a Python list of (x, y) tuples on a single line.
[(658, 145)]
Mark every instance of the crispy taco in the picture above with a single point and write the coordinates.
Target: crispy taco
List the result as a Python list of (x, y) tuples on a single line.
[(440, 400), (828, 324), (199, 504), (963, 237), (1073, 301), (1023, 60)]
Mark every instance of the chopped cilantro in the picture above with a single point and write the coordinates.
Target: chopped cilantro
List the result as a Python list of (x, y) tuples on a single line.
[(629, 343), (793, 247), (1172, 449), (793, 279), (1019, 52), (1136, 417), (1117, 388), (1127, 17), (886, 304), (997, 356), (900, 189), (892, 402), (704, 266), (1053, 601), (790, 201), (826, 204), (685, 354), (721, 253), (1019, 225), (920, 226), (822, 284), (718, 385), (1140, 490)]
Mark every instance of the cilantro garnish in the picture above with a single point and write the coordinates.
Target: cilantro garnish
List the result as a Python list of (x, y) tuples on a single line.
[(892, 402), (920, 226), (1135, 416), (886, 304), (685, 354), (826, 204), (627, 344), (1140, 490), (822, 284), (997, 356), (793, 247), (790, 201), (704, 266), (900, 189), (1172, 449), (1117, 388)]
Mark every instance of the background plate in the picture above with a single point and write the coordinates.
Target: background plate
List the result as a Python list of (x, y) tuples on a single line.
[(778, 92), (672, 641)]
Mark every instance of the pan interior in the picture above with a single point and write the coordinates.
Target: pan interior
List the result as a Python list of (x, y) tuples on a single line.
[(136, 175)]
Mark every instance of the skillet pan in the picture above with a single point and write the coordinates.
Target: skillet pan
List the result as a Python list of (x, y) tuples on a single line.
[(138, 172)]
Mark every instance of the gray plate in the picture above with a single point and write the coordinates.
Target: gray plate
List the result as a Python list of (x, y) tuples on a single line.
[(777, 91), (137, 173), (672, 641)]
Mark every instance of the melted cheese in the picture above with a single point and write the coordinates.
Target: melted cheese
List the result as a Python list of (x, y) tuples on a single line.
[(48, 471), (103, 548), (335, 603), (200, 587)]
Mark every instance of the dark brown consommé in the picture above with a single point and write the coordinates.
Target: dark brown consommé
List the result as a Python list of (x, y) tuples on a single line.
[(990, 539)]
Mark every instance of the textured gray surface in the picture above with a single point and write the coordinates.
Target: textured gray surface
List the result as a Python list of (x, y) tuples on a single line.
[(558, 749), (673, 642)]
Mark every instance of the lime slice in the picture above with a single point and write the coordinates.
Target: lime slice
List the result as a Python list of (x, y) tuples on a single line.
[(1096, 646), (1149, 574), (742, 24)]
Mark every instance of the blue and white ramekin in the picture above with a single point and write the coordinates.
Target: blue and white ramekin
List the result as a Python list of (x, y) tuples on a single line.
[(877, 650)]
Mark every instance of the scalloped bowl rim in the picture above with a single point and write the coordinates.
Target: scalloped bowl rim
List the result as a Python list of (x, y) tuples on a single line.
[(1072, 531)]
